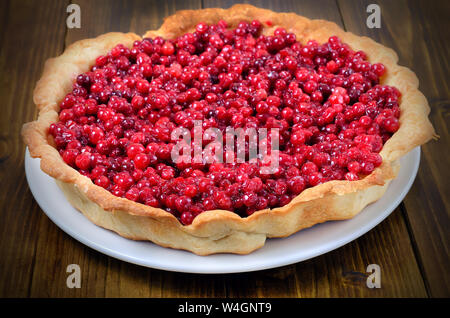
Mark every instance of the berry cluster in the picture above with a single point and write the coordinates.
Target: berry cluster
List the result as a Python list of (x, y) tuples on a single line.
[(326, 100)]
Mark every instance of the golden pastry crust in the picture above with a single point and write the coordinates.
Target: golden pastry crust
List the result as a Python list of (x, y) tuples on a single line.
[(222, 231)]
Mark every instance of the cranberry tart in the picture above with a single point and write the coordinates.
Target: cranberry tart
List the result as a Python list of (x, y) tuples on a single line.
[(344, 111)]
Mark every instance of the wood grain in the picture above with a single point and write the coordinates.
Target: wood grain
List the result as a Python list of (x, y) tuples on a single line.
[(411, 245), (137, 16), (342, 273), (410, 28), (318, 9), (24, 48)]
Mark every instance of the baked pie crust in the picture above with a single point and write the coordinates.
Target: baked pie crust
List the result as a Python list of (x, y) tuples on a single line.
[(220, 231)]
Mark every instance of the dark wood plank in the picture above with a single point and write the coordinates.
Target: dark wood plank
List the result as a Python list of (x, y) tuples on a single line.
[(342, 273), (25, 46), (337, 274), (55, 250), (318, 9), (416, 31), (4, 10), (136, 16), (101, 275), (332, 284), (123, 279)]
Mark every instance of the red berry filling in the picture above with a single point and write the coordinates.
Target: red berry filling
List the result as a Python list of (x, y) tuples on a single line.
[(332, 113)]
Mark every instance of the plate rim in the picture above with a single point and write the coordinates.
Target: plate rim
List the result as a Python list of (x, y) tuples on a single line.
[(289, 259)]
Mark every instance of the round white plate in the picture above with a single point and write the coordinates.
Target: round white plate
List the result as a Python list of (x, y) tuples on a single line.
[(303, 245)]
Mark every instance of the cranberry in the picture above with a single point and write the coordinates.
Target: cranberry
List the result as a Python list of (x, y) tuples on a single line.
[(222, 200), (132, 194), (378, 69), (351, 176), (141, 161), (168, 174), (96, 135), (123, 180), (186, 218), (191, 191), (102, 181), (70, 155), (391, 124), (83, 161), (183, 203), (134, 149), (354, 167), (142, 86), (201, 28)]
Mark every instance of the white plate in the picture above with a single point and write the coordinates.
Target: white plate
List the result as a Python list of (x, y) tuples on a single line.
[(303, 245)]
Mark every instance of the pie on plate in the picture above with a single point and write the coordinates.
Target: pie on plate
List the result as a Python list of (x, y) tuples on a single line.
[(343, 111)]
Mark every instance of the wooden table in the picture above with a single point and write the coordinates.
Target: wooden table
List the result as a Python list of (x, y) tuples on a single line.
[(411, 245)]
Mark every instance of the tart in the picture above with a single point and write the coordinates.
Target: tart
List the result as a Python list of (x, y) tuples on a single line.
[(344, 111)]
